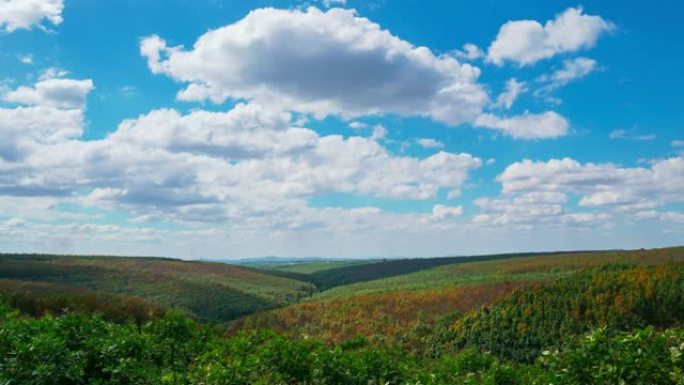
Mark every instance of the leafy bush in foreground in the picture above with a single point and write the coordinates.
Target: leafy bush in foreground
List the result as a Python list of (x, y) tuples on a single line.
[(74, 349), (640, 357)]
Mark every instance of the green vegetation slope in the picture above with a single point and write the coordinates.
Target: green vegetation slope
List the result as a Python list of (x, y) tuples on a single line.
[(209, 291)]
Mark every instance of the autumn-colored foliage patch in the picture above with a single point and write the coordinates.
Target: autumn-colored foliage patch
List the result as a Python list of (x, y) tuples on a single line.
[(389, 315), (621, 298)]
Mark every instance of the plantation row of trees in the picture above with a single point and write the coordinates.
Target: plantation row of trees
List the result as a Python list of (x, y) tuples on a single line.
[(340, 276), (78, 349), (618, 297), (42, 298)]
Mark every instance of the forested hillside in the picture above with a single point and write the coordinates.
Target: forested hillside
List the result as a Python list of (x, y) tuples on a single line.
[(42, 298), (474, 270), (209, 291), (572, 318), (390, 307), (348, 274), (521, 326), (174, 349)]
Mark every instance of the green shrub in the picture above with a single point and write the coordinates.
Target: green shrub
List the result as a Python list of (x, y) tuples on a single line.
[(640, 357)]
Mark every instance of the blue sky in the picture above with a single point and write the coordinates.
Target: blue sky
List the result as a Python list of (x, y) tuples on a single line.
[(209, 129)]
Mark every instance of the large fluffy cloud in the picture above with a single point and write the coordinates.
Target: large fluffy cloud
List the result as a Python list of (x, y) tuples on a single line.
[(295, 160), (25, 14), (331, 62), (528, 41)]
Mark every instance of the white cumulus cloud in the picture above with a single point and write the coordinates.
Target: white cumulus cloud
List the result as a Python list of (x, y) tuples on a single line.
[(532, 209), (572, 70), (528, 41), (444, 212), (51, 111), (630, 135), (250, 166), (429, 143), (55, 92), (26, 14), (514, 88), (469, 51), (527, 126), (320, 62), (600, 184)]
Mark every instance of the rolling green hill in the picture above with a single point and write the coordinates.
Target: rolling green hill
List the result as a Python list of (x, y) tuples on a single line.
[(209, 291), (326, 279), (521, 326), (517, 267), (221, 292), (44, 298), (312, 267), (389, 307), (607, 325)]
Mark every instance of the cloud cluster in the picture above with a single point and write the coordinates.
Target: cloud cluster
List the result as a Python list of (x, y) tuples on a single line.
[(51, 111), (600, 185), (529, 210), (525, 42), (26, 14), (52, 92), (253, 167), (562, 193), (255, 171), (336, 63), (320, 62), (672, 216), (442, 211)]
